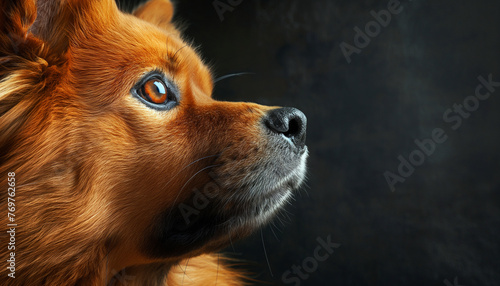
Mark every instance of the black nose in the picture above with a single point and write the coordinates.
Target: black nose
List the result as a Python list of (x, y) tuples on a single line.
[(290, 122)]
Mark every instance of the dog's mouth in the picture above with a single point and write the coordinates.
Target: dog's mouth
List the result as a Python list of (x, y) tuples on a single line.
[(245, 185), (260, 198), (226, 209)]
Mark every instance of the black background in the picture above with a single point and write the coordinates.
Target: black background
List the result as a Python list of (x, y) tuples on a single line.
[(440, 226)]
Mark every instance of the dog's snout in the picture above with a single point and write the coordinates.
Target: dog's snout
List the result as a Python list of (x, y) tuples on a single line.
[(290, 122)]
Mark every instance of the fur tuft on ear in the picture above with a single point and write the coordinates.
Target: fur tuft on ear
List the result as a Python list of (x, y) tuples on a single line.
[(59, 21), (156, 12), (16, 17)]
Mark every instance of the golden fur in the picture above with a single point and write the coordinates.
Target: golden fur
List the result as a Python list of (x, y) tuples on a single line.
[(94, 166)]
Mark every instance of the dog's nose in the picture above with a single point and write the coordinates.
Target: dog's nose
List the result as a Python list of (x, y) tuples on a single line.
[(290, 122)]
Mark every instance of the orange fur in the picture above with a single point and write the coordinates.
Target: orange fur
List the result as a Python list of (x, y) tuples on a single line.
[(94, 166)]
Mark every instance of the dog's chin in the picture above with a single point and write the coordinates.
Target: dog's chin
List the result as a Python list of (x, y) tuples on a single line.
[(186, 230), (267, 196)]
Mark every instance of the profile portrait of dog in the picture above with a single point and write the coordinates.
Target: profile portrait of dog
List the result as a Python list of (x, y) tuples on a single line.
[(115, 157)]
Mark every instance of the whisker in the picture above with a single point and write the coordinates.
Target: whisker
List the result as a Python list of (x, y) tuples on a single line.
[(175, 54), (271, 227), (192, 177), (194, 162), (265, 252), (185, 269), (175, 59), (218, 263), (231, 242), (287, 214), (281, 221), (231, 75)]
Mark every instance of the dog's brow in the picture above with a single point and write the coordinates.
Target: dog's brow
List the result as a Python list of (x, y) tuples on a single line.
[(175, 54), (173, 59), (172, 64)]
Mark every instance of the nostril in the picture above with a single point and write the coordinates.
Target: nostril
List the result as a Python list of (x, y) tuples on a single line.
[(289, 122), (293, 128)]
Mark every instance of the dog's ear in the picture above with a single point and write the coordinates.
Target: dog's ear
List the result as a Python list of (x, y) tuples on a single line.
[(61, 22), (156, 12), (16, 17)]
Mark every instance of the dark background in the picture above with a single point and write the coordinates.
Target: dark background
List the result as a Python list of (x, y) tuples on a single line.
[(440, 226)]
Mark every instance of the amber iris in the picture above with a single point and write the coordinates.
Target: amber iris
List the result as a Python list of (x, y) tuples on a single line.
[(154, 91)]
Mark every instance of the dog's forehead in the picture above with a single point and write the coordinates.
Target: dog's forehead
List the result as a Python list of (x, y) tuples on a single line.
[(130, 48)]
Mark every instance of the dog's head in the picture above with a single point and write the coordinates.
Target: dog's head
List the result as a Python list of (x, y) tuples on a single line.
[(116, 123)]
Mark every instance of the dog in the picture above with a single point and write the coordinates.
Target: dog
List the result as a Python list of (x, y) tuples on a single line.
[(117, 166)]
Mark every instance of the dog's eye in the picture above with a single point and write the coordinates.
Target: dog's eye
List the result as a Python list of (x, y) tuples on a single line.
[(154, 91)]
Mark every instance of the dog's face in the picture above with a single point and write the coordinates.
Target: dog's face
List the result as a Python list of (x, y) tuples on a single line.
[(166, 170)]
